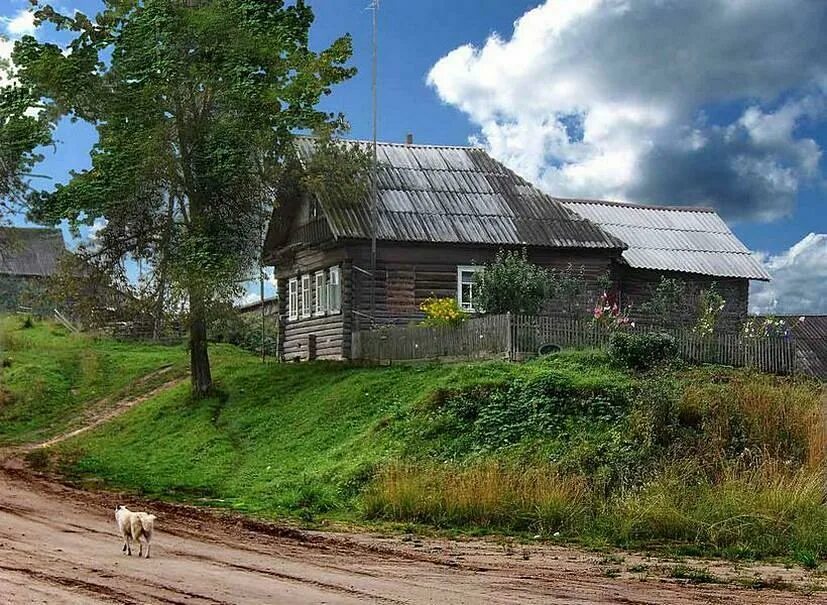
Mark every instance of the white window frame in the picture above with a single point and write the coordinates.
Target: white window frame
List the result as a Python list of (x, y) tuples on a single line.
[(467, 306), (334, 290), (293, 298), (306, 296), (320, 304)]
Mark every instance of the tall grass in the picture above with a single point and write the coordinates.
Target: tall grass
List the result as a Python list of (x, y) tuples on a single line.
[(775, 417), (485, 494), (737, 468)]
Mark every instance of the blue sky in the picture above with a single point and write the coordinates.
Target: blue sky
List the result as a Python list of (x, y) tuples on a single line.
[(705, 103)]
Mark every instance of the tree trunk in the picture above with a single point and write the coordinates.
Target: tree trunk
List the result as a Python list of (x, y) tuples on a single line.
[(199, 358)]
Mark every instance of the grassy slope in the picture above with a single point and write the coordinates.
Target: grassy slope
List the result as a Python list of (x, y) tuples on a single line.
[(280, 438), (53, 375), (724, 461)]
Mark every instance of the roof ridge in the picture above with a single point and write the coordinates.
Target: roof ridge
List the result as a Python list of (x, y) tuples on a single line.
[(705, 209), (658, 228), (743, 252), (395, 144)]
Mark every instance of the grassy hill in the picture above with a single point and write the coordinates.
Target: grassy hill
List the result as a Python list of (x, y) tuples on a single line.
[(50, 376), (709, 460)]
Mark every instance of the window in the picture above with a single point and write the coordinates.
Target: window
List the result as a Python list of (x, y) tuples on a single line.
[(307, 296), (334, 290), (466, 286), (293, 298), (320, 307)]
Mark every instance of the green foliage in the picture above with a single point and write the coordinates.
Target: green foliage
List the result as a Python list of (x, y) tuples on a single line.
[(710, 306), (338, 173), (442, 312), (668, 299), (244, 330), (561, 399), (21, 133), (568, 290), (195, 106), (511, 283), (642, 351)]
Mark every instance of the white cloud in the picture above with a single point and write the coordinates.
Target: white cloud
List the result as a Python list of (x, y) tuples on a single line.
[(612, 98), (21, 24), (799, 284)]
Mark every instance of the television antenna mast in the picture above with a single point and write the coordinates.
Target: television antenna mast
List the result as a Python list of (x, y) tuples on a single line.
[(374, 214)]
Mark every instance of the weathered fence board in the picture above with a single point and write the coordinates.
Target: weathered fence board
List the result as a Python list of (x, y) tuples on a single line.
[(518, 337), (477, 337)]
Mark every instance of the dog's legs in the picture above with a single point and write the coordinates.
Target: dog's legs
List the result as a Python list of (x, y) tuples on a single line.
[(129, 545), (148, 543), (140, 548)]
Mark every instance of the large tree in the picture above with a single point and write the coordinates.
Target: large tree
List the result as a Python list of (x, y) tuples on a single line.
[(194, 102), (22, 130)]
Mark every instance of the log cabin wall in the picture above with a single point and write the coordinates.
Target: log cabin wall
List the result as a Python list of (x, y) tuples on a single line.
[(408, 274), (638, 285), (330, 330)]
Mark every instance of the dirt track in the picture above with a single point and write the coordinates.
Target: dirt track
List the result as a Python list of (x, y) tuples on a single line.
[(59, 545)]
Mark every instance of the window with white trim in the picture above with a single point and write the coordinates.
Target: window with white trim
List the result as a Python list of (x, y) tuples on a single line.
[(320, 299), (334, 289), (293, 298), (466, 286), (306, 296)]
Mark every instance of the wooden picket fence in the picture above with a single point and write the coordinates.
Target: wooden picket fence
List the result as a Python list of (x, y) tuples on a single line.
[(518, 337)]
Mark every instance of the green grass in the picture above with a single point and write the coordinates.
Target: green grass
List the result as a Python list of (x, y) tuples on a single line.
[(50, 376), (694, 460), (278, 439)]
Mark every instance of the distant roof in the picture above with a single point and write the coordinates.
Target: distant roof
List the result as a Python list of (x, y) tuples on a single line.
[(811, 343), (441, 194), (30, 252), (671, 238)]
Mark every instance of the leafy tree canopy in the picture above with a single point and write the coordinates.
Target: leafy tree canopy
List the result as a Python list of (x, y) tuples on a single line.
[(194, 102), (22, 130)]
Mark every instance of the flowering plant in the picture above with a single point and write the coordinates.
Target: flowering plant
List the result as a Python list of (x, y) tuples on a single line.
[(608, 314), (442, 312), (709, 310), (757, 327)]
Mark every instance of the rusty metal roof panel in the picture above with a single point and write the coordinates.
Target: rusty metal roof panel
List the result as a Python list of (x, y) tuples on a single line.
[(691, 240), (30, 252)]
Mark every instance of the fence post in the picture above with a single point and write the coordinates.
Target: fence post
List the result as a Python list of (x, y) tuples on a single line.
[(509, 342)]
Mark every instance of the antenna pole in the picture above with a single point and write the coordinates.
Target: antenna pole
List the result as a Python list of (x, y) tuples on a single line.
[(375, 182)]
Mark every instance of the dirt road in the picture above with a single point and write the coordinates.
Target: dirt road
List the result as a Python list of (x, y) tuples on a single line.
[(60, 545)]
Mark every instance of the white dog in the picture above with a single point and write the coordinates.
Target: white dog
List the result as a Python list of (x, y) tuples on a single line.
[(133, 526)]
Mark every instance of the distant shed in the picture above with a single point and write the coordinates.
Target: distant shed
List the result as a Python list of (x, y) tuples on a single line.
[(810, 335), (28, 256), (30, 252)]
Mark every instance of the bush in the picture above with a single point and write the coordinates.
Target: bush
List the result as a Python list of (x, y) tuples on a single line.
[(442, 312), (642, 351), (512, 284)]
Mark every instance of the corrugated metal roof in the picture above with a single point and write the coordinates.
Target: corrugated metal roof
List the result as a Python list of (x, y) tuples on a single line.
[(665, 238), (439, 194), (30, 252), (811, 343)]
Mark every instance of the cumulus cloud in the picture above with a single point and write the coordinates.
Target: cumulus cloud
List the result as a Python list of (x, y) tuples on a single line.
[(624, 98), (799, 284), (20, 24)]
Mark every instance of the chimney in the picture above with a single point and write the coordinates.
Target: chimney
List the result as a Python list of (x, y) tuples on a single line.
[(409, 139)]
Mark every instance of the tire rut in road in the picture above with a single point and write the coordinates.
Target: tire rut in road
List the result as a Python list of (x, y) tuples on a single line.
[(292, 578)]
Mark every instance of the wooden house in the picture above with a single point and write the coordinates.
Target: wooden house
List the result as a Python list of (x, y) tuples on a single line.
[(444, 211)]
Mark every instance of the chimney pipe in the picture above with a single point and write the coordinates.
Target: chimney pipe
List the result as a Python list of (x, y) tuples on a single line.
[(409, 139)]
